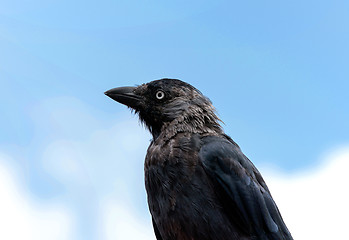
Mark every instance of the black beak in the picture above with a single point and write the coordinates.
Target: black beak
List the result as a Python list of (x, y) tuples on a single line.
[(125, 95)]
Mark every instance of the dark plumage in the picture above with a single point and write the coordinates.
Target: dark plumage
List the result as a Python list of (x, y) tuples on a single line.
[(200, 185)]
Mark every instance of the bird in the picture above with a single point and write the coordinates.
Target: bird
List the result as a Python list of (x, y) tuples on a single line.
[(199, 184)]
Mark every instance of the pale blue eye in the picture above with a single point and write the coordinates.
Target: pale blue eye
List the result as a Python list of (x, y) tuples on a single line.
[(160, 95)]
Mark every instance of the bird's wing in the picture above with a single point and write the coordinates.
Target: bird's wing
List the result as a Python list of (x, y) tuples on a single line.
[(244, 194)]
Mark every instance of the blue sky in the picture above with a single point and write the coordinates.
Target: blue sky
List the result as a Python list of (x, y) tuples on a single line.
[(277, 72)]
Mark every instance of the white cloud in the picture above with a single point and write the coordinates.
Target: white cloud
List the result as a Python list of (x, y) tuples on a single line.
[(22, 218), (315, 204), (94, 159), (119, 222)]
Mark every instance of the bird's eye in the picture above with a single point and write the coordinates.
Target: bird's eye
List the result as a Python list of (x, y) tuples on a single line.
[(160, 95)]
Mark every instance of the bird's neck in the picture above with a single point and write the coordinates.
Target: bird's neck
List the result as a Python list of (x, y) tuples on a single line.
[(199, 122)]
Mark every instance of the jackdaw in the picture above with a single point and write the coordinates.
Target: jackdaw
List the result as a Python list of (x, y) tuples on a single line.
[(200, 186)]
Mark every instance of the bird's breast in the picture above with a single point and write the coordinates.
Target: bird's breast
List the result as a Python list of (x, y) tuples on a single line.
[(170, 170)]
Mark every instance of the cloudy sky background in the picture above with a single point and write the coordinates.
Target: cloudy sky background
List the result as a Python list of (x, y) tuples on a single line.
[(71, 160)]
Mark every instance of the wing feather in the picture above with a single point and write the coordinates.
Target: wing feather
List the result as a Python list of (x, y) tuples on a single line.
[(243, 189)]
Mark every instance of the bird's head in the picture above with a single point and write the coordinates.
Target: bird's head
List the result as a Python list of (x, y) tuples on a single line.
[(169, 103)]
